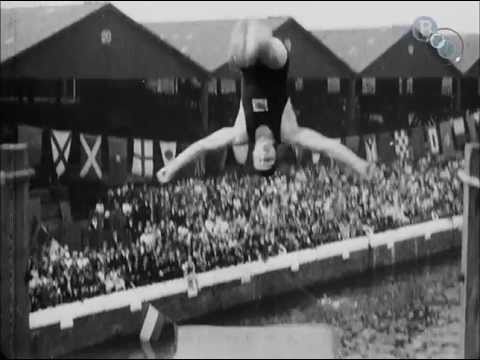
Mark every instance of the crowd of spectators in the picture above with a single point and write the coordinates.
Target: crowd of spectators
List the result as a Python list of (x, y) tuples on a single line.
[(144, 234)]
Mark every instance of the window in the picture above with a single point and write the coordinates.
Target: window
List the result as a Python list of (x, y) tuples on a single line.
[(40, 91), (410, 86), (212, 87), (400, 86), (69, 90), (10, 89), (162, 86), (167, 86), (333, 85), (368, 86), (447, 86), (299, 84), (227, 86)]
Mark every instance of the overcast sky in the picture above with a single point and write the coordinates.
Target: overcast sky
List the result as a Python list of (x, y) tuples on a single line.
[(462, 16)]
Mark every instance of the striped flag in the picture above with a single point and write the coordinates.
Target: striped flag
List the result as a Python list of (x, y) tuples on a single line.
[(433, 142), (472, 122), (459, 131)]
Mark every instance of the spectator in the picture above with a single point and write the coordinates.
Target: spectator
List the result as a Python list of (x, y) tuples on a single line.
[(223, 221)]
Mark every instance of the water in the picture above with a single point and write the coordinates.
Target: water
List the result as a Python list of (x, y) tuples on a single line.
[(409, 311)]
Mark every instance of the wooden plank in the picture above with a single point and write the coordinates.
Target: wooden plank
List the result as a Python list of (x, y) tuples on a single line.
[(470, 255), (14, 178)]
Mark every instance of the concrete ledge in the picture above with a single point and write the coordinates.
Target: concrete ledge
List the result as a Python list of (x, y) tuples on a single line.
[(69, 327)]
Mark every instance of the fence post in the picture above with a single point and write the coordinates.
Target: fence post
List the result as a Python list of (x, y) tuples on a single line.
[(14, 250), (470, 255)]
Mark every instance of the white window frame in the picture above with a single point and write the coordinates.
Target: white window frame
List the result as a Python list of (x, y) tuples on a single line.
[(447, 86), (333, 85), (369, 86)]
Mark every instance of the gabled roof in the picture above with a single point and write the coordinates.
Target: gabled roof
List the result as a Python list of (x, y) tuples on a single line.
[(24, 27), (360, 47), (474, 69), (205, 42), (471, 52)]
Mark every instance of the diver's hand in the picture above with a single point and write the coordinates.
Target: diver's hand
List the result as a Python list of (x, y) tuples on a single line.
[(370, 171), (165, 175)]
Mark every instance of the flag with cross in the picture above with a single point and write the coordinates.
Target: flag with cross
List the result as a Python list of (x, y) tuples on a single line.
[(91, 156), (61, 143)]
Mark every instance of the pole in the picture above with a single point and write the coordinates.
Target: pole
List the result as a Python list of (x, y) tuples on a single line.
[(471, 253), (14, 250)]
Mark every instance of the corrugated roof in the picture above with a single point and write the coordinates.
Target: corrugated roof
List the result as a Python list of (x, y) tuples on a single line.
[(471, 52), (205, 42), (360, 47), (24, 27)]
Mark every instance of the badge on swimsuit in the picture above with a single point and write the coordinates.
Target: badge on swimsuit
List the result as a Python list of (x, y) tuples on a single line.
[(260, 105)]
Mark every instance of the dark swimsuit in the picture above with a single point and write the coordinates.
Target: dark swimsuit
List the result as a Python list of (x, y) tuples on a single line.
[(264, 96)]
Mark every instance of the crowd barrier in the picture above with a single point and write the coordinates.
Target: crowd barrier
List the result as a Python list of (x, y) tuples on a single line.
[(69, 327)]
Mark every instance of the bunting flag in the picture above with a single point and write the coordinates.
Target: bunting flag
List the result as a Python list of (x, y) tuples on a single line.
[(433, 142), (142, 162), (91, 156), (241, 153), (315, 157), (418, 142), (169, 150), (447, 138), (413, 120), (117, 160), (32, 136), (459, 131), (61, 142), (386, 147), (7, 132), (353, 143), (402, 144), (472, 122), (371, 148)]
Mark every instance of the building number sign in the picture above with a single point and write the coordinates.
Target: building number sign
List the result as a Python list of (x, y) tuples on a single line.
[(106, 37)]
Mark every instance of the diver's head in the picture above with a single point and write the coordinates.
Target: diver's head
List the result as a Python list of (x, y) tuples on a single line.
[(264, 156), (247, 38)]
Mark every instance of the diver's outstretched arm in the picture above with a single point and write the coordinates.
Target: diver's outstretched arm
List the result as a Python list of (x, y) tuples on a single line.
[(216, 140), (317, 142)]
